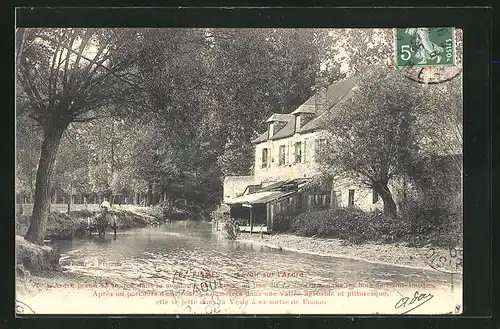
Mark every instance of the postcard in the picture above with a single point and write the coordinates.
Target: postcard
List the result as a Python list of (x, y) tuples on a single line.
[(185, 171)]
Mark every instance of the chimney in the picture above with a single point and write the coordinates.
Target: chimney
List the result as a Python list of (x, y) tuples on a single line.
[(320, 98), (270, 130)]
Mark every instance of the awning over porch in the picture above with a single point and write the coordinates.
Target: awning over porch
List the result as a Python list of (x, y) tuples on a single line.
[(260, 197)]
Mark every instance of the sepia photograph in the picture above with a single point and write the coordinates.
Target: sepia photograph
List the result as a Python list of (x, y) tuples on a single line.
[(239, 171)]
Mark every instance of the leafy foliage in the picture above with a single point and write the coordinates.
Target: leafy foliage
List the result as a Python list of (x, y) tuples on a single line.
[(372, 134), (166, 113), (417, 227)]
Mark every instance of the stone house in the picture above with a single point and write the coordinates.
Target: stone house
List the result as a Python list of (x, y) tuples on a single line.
[(285, 166), (285, 155)]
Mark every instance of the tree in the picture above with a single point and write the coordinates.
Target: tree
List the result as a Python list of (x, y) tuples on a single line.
[(372, 134), (209, 91), (354, 51), (28, 141), (71, 170), (65, 76), (261, 71)]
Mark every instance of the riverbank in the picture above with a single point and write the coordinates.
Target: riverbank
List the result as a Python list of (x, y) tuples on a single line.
[(397, 254), (65, 226)]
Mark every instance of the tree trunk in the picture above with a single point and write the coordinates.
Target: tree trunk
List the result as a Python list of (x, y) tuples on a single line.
[(389, 204), (21, 210), (150, 194), (70, 197), (38, 223)]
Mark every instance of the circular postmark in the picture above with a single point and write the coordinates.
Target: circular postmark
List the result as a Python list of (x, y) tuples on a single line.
[(448, 260), (432, 74), (23, 308)]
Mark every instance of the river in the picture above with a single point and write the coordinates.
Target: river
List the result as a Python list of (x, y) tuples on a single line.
[(151, 258)]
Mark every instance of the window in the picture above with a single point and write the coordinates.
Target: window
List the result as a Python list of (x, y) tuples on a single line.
[(264, 158), (351, 198), (298, 152), (282, 155), (375, 196)]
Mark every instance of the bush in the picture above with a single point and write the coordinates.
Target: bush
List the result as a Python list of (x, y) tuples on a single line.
[(83, 213), (343, 223), (437, 227)]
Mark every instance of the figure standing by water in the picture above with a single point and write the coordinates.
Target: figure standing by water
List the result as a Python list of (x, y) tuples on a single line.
[(102, 220), (104, 206)]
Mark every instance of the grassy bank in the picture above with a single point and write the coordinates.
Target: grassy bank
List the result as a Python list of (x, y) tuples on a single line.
[(60, 226), (73, 224), (418, 229)]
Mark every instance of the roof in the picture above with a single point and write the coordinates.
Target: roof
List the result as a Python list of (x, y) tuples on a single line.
[(259, 197), (280, 117), (313, 124), (305, 108), (335, 93), (286, 184), (321, 119), (271, 192), (287, 130), (261, 138)]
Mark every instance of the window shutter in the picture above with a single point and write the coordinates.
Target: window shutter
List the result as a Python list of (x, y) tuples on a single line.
[(305, 156), (287, 154), (316, 148)]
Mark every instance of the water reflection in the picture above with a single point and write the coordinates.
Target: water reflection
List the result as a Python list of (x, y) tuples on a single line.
[(161, 254)]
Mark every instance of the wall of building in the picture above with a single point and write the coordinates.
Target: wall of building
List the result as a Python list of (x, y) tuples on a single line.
[(308, 167), (363, 195), (290, 170), (234, 186)]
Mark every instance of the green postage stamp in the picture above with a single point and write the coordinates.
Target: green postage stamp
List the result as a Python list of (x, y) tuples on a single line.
[(434, 46)]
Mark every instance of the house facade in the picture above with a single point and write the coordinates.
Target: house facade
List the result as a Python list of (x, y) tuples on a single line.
[(286, 161), (288, 149)]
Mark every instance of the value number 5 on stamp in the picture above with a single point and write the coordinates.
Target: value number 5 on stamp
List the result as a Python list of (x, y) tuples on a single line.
[(434, 46)]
